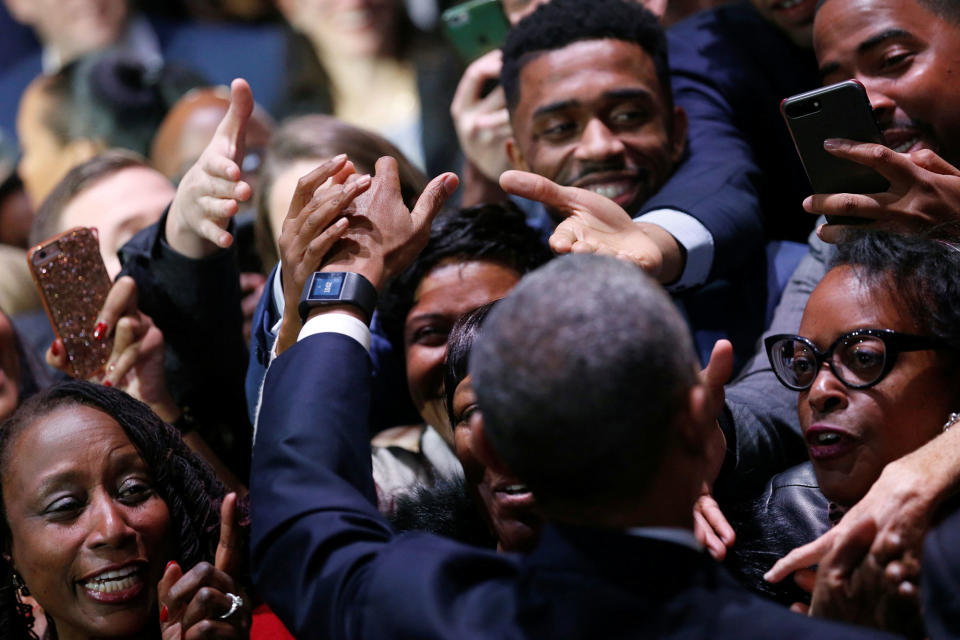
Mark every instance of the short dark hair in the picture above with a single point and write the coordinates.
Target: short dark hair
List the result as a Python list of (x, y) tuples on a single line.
[(495, 232), (560, 23), (949, 10), (459, 343), (920, 272), (186, 483), (46, 221), (580, 373)]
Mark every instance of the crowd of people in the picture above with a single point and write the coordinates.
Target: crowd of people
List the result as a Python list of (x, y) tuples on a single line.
[(556, 342)]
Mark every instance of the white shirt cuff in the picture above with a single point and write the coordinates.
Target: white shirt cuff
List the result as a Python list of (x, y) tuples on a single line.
[(336, 322), (278, 301), (693, 237)]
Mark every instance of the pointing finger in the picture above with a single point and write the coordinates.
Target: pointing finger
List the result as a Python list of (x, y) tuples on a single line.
[(234, 123)]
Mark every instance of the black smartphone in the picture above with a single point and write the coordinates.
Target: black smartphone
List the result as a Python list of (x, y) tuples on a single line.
[(840, 110), (476, 27)]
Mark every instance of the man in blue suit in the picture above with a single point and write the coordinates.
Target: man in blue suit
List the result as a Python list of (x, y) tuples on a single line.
[(589, 393)]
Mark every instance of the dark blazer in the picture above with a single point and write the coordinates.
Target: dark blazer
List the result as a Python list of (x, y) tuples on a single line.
[(329, 565), (196, 304), (730, 69)]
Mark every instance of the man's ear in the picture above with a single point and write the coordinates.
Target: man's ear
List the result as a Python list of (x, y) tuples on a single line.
[(696, 422), (484, 450), (678, 139), (517, 161)]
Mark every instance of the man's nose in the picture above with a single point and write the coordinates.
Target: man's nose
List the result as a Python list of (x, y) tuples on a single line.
[(598, 142)]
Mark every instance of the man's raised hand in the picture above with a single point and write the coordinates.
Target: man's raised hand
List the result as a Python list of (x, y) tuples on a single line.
[(595, 224), (384, 236), (211, 191)]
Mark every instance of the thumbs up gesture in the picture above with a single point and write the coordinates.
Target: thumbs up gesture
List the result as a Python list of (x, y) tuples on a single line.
[(211, 191)]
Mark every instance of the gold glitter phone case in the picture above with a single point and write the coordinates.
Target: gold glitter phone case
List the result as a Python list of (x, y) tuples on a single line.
[(73, 284)]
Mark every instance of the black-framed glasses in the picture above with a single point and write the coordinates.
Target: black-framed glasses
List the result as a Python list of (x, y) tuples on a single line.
[(858, 359)]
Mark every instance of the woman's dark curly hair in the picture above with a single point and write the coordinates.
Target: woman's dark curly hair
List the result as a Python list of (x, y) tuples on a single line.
[(922, 273), (185, 482), (495, 232), (459, 343)]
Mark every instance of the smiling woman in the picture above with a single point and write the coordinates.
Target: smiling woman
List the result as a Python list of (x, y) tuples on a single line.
[(102, 504)]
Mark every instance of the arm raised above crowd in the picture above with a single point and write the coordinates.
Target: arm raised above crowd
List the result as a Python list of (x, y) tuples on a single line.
[(211, 190), (924, 192)]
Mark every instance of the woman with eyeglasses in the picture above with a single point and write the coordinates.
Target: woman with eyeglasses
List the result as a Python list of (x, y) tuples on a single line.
[(875, 368)]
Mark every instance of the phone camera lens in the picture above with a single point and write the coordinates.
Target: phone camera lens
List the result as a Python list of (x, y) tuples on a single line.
[(816, 104)]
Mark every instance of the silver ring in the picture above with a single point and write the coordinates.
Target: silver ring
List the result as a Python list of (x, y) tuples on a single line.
[(235, 603)]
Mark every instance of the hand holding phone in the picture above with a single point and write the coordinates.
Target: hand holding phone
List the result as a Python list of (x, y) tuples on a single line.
[(73, 282), (476, 27), (839, 110)]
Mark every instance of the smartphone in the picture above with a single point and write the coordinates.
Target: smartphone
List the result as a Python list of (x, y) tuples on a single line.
[(839, 110), (73, 282), (476, 27)]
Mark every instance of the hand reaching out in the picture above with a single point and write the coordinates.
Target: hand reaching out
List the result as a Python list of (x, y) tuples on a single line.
[(596, 224), (924, 191), (853, 585), (211, 190), (482, 122), (136, 363)]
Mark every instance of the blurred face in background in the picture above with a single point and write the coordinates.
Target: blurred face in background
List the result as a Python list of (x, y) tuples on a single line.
[(9, 368), (363, 28), (189, 126), (72, 28), (119, 205), (793, 17), (44, 158)]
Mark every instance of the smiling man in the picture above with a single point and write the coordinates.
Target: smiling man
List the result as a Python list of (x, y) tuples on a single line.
[(587, 87), (589, 99), (905, 53)]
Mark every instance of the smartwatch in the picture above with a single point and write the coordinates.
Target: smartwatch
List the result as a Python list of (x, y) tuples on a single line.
[(323, 289)]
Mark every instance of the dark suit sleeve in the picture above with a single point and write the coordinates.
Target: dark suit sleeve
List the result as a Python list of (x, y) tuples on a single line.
[(312, 482), (323, 558), (196, 304), (717, 182)]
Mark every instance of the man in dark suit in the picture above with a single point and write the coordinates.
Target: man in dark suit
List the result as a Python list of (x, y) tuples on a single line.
[(589, 393)]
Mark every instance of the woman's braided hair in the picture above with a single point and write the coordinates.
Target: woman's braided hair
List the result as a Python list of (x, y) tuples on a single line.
[(185, 482)]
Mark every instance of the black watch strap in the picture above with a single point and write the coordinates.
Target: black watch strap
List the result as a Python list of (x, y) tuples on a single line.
[(339, 287)]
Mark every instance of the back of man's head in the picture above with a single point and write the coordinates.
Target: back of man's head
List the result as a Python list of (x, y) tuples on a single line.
[(559, 23), (580, 374)]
